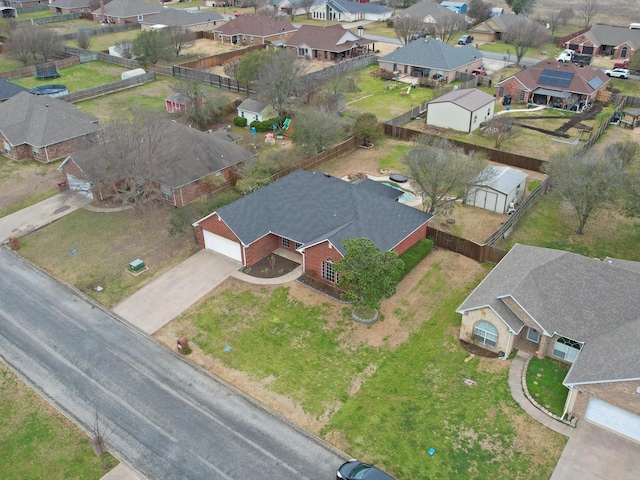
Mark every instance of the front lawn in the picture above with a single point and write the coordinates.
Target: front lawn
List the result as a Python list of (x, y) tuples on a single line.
[(552, 224), (385, 393), (544, 381), (36, 442), (79, 77), (89, 249)]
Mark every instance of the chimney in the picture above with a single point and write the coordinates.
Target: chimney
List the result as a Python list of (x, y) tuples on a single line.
[(102, 9)]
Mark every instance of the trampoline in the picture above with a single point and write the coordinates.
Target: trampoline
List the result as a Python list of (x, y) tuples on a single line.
[(47, 71), (51, 90)]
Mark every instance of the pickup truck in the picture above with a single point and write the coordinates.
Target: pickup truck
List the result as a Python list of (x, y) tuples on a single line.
[(569, 56)]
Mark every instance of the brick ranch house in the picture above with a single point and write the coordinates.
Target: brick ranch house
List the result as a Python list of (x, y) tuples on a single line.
[(555, 84), (254, 30), (125, 11), (201, 163), (43, 128), (311, 213), (618, 42), (331, 43), (575, 309)]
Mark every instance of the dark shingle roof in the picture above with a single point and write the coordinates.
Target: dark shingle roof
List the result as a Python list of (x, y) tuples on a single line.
[(433, 53), (183, 18), (70, 3), (128, 8), (355, 7), (332, 38), (41, 121), (8, 89), (377, 188), (310, 207), (256, 25), (589, 301)]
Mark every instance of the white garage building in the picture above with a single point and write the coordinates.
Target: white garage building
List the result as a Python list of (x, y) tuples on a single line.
[(502, 192)]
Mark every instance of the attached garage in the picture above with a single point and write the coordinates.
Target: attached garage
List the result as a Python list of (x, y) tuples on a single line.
[(222, 245), (614, 418)]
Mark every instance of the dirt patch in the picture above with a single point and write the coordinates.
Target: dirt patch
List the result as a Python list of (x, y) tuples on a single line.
[(21, 181), (271, 266)]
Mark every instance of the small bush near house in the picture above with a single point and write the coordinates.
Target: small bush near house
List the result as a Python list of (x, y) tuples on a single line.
[(414, 255), (265, 126), (240, 122)]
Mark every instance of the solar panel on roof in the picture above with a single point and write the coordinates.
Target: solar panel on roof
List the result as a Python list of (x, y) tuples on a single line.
[(595, 82), (556, 77)]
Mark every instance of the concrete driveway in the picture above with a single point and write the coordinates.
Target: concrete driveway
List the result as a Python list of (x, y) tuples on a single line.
[(166, 297), (594, 453)]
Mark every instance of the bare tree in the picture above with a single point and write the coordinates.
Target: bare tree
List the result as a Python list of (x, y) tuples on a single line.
[(83, 40), (99, 439), (19, 46), (202, 110), (408, 29), (442, 173), (587, 184), (479, 10), (279, 80), (6, 25), (317, 130), (500, 129), (231, 69), (180, 38), (306, 5), (333, 86), (46, 42), (125, 49), (522, 34), (566, 14), (30, 41), (588, 9), (132, 153), (449, 24)]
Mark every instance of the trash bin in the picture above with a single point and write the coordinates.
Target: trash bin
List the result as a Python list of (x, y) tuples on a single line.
[(506, 100), (62, 185)]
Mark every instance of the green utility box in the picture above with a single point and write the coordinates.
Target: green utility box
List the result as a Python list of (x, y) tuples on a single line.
[(136, 265)]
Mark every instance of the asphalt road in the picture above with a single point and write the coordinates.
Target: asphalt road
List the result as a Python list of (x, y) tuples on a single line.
[(166, 417)]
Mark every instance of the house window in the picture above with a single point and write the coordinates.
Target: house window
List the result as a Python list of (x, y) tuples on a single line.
[(140, 18), (328, 270), (218, 174), (566, 349), (285, 242), (165, 192), (501, 92), (488, 111), (475, 118), (486, 334), (242, 114), (298, 245), (244, 38), (533, 335), (623, 52), (7, 148), (251, 39), (36, 152)]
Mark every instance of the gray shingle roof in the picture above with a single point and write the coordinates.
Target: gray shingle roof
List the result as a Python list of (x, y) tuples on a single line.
[(128, 8), (254, 106), (332, 38), (424, 9), (256, 25), (433, 53), (183, 18), (197, 154), (378, 188), (592, 302), (470, 99), (610, 35), (8, 89), (310, 207), (41, 121), (505, 179), (70, 3), (355, 7)]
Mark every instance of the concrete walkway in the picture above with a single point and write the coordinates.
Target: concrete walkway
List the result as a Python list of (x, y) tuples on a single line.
[(515, 384), (41, 214), (121, 472)]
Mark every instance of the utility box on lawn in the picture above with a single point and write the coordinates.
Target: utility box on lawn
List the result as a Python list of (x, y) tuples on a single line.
[(136, 266)]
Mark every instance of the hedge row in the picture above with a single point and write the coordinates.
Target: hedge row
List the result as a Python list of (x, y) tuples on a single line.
[(414, 255)]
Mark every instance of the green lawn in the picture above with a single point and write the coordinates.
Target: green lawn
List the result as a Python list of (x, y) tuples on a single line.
[(89, 249), (79, 77), (101, 43), (548, 225), (35, 15), (544, 381), (36, 442)]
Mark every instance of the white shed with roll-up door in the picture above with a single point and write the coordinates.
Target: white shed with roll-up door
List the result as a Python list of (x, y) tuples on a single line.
[(501, 191)]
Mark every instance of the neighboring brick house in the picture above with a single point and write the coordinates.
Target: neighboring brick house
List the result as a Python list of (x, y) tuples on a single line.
[(201, 163), (619, 42), (43, 128), (254, 30), (432, 13), (125, 11), (330, 43), (491, 30), (63, 7), (193, 21), (426, 57), (578, 310), (311, 213), (348, 11), (555, 84)]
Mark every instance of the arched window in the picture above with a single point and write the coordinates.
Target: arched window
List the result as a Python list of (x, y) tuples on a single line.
[(566, 349), (486, 334), (623, 52)]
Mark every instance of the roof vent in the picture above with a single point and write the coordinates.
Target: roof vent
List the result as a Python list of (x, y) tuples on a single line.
[(327, 175)]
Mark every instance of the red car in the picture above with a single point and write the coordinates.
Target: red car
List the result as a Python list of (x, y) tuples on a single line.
[(479, 72)]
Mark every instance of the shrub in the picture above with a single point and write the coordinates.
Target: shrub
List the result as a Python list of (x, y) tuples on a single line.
[(264, 126), (240, 122), (389, 23), (186, 350), (414, 255)]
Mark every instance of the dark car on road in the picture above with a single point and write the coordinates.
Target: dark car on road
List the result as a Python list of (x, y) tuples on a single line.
[(355, 470)]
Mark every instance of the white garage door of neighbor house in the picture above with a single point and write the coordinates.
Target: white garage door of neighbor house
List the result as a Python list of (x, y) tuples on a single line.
[(222, 245), (79, 185), (614, 418)]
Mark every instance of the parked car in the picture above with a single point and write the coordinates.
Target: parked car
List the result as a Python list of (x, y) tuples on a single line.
[(463, 40), (353, 469), (479, 72), (439, 77), (617, 73)]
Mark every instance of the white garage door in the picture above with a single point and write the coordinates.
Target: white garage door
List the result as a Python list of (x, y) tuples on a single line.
[(79, 185), (222, 245), (613, 418)]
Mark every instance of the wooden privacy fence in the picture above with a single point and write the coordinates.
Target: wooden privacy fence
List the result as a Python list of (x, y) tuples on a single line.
[(209, 78), (109, 88), (103, 30), (31, 70), (44, 20), (221, 58), (468, 248)]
